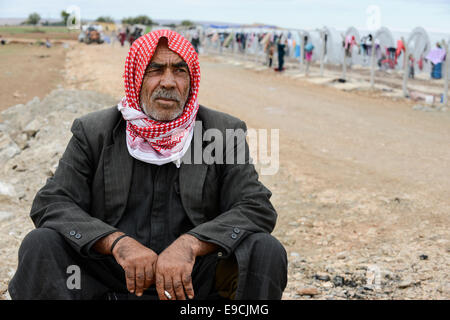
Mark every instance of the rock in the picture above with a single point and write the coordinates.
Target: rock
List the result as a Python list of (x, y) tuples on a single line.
[(322, 277), (341, 255), (308, 291), (406, 284), (8, 148), (338, 281), (33, 127), (5, 215), (6, 190), (350, 283)]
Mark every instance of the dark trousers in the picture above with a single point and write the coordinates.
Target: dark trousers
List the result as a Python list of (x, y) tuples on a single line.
[(280, 62), (45, 259)]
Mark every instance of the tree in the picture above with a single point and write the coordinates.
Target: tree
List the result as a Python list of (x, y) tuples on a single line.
[(145, 20), (105, 19), (187, 23), (33, 18), (65, 15)]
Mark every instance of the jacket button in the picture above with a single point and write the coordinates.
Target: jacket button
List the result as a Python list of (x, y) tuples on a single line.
[(236, 230), (72, 232), (233, 235), (78, 236)]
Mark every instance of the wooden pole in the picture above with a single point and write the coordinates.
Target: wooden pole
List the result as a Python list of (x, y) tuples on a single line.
[(445, 65), (405, 74), (372, 64), (322, 54), (302, 50), (344, 64)]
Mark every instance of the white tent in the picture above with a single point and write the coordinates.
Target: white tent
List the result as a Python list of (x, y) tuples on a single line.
[(418, 45), (355, 57), (383, 37)]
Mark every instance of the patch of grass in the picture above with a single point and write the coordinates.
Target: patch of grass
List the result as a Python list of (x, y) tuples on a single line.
[(34, 29)]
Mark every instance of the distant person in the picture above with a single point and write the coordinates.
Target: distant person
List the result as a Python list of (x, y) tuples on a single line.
[(195, 41), (411, 66), (309, 48), (281, 46), (271, 52), (122, 37), (48, 44), (133, 206)]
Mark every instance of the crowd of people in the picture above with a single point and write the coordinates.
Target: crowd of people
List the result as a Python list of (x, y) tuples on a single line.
[(129, 34)]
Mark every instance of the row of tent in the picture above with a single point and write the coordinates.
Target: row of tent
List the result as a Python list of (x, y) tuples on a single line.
[(330, 46)]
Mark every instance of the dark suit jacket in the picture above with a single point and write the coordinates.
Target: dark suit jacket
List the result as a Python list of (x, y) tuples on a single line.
[(87, 196)]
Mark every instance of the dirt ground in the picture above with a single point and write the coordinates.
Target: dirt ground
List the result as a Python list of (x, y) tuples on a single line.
[(29, 71), (363, 187)]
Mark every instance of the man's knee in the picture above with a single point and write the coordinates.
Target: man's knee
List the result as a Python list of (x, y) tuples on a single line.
[(39, 241), (266, 244)]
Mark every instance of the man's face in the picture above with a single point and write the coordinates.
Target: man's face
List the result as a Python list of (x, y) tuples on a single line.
[(166, 83)]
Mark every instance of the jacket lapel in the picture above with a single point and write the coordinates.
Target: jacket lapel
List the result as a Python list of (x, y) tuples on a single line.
[(118, 169), (192, 177)]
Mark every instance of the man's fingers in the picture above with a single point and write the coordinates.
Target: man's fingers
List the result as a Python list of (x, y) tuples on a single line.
[(140, 278), (148, 277), (178, 288), (187, 284), (159, 283), (168, 286), (130, 276)]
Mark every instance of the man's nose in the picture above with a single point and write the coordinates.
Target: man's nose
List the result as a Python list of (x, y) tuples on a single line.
[(168, 79)]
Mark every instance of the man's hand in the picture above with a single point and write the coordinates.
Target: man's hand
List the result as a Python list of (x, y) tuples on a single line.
[(174, 267), (137, 260)]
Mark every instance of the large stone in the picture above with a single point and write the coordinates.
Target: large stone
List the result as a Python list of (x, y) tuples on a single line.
[(33, 127), (8, 148), (308, 291), (5, 215), (7, 190)]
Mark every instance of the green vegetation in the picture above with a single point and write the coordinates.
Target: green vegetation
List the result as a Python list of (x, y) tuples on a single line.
[(28, 29), (33, 18), (145, 20), (187, 23), (105, 19)]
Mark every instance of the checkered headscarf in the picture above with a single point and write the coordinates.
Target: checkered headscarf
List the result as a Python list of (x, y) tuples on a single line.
[(149, 140)]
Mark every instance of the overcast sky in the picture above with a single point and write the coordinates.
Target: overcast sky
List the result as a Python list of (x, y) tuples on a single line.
[(400, 15)]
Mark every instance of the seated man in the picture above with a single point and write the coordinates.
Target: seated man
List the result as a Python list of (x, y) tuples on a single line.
[(137, 209)]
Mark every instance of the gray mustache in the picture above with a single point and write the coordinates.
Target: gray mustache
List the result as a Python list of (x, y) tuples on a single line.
[(165, 94)]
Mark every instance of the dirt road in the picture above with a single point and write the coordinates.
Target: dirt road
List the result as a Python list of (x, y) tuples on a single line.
[(29, 71), (363, 188)]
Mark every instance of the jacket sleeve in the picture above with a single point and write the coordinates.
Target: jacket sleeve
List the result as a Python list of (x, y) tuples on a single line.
[(63, 204), (244, 203)]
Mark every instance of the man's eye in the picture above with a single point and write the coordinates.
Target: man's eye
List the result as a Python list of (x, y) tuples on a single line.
[(181, 70)]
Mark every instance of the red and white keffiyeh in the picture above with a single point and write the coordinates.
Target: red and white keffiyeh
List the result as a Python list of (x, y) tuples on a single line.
[(149, 140)]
